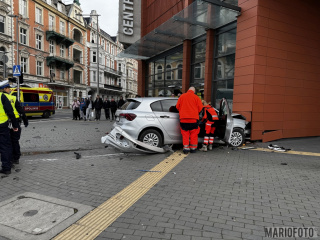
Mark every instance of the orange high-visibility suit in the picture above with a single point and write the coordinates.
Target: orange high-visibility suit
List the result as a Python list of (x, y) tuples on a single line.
[(210, 115), (189, 105)]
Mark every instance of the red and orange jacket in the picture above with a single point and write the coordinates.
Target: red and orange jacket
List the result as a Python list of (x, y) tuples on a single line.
[(189, 105), (210, 114)]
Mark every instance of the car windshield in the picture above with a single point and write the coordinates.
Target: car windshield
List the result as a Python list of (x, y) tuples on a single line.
[(130, 104)]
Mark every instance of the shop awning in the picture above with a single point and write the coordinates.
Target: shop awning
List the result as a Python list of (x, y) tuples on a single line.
[(191, 22)]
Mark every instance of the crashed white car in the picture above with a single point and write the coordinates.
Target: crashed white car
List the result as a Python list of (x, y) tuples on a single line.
[(149, 124)]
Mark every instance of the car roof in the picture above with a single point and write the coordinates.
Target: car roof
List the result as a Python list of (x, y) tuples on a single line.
[(151, 99)]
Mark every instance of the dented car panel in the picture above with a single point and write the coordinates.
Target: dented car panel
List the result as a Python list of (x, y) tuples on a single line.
[(119, 139)]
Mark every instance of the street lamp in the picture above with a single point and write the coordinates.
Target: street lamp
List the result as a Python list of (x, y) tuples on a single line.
[(98, 56), (17, 33)]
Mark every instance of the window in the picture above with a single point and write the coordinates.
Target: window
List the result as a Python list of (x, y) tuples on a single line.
[(51, 46), (108, 47), (112, 81), (31, 97), (100, 59), (112, 50), (112, 64), (169, 73), (167, 105), (100, 77), (51, 22), (23, 36), (156, 106), (38, 15), (51, 72), (119, 82), (62, 74), (39, 68), (24, 64), (94, 76), (62, 48), (38, 41), (23, 8), (2, 23), (179, 71), (94, 57), (62, 27), (3, 50), (119, 67)]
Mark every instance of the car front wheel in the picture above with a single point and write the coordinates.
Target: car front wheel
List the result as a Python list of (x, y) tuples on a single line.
[(151, 137), (237, 137)]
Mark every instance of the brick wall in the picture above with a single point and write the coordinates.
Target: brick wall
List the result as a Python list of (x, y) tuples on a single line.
[(278, 67)]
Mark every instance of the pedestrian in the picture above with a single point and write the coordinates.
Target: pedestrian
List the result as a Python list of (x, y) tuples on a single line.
[(89, 106), (97, 105), (120, 102), (83, 109), (209, 118), (189, 106), (113, 107), (75, 109), (15, 135), (106, 107), (6, 113)]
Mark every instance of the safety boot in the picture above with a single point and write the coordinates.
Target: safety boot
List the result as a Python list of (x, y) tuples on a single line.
[(204, 148), (210, 147)]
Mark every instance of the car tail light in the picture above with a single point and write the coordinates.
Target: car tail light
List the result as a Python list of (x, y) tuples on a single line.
[(128, 116)]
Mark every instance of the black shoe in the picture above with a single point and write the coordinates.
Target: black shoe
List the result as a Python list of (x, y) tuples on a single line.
[(193, 151), (15, 161), (185, 151), (5, 172)]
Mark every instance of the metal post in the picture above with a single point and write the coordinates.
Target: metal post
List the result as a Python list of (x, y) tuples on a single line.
[(98, 56), (18, 80)]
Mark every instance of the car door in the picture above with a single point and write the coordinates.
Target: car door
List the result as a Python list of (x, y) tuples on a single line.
[(225, 121), (168, 117)]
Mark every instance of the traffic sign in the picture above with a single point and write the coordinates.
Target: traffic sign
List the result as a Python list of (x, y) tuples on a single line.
[(16, 71)]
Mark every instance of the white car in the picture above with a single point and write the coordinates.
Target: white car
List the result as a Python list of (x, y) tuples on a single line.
[(144, 122)]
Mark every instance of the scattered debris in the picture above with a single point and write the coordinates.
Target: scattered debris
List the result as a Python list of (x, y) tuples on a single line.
[(78, 155), (278, 148), (141, 170), (246, 148)]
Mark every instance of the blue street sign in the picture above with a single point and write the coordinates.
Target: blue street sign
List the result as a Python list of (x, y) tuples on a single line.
[(16, 71)]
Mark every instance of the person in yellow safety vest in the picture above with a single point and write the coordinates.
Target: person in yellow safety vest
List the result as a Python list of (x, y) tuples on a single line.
[(15, 135), (6, 113), (209, 117)]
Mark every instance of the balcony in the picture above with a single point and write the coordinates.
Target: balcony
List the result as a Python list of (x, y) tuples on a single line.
[(112, 88), (59, 62), (112, 72), (59, 38)]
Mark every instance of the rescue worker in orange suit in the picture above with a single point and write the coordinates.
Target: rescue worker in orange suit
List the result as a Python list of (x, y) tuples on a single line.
[(209, 117), (6, 113), (18, 111), (189, 106)]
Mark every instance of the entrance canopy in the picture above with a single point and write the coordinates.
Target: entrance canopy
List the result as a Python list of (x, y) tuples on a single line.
[(191, 22)]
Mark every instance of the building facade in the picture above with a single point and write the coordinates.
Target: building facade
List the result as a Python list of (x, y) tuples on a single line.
[(263, 56), (112, 74)]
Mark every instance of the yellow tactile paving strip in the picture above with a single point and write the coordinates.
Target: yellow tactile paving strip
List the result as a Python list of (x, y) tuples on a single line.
[(288, 152), (95, 222)]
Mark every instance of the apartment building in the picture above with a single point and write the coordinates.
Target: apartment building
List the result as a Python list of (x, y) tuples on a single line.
[(52, 51), (111, 72)]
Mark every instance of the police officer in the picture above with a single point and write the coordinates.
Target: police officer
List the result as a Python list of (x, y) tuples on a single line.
[(6, 112), (18, 111)]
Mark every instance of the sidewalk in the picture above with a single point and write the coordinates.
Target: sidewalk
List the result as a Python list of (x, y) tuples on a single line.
[(221, 194)]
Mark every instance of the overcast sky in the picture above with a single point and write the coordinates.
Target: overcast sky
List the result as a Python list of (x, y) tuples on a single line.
[(108, 9)]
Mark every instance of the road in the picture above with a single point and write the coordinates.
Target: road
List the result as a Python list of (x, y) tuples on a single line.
[(222, 194)]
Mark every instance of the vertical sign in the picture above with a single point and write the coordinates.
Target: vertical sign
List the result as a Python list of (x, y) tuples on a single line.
[(129, 21)]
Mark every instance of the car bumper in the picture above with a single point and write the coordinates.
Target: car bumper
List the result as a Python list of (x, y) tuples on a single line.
[(121, 140)]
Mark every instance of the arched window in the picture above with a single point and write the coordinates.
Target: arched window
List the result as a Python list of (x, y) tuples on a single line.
[(77, 36), (169, 73), (159, 70)]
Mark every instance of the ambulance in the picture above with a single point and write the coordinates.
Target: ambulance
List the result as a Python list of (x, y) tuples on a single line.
[(36, 101)]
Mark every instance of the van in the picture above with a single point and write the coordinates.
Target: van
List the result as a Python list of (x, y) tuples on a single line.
[(36, 101)]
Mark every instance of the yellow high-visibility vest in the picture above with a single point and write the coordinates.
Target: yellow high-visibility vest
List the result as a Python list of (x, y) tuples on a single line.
[(3, 116), (13, 100)]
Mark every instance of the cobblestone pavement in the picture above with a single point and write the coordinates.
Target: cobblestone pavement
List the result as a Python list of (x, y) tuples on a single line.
[(222, 194)]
